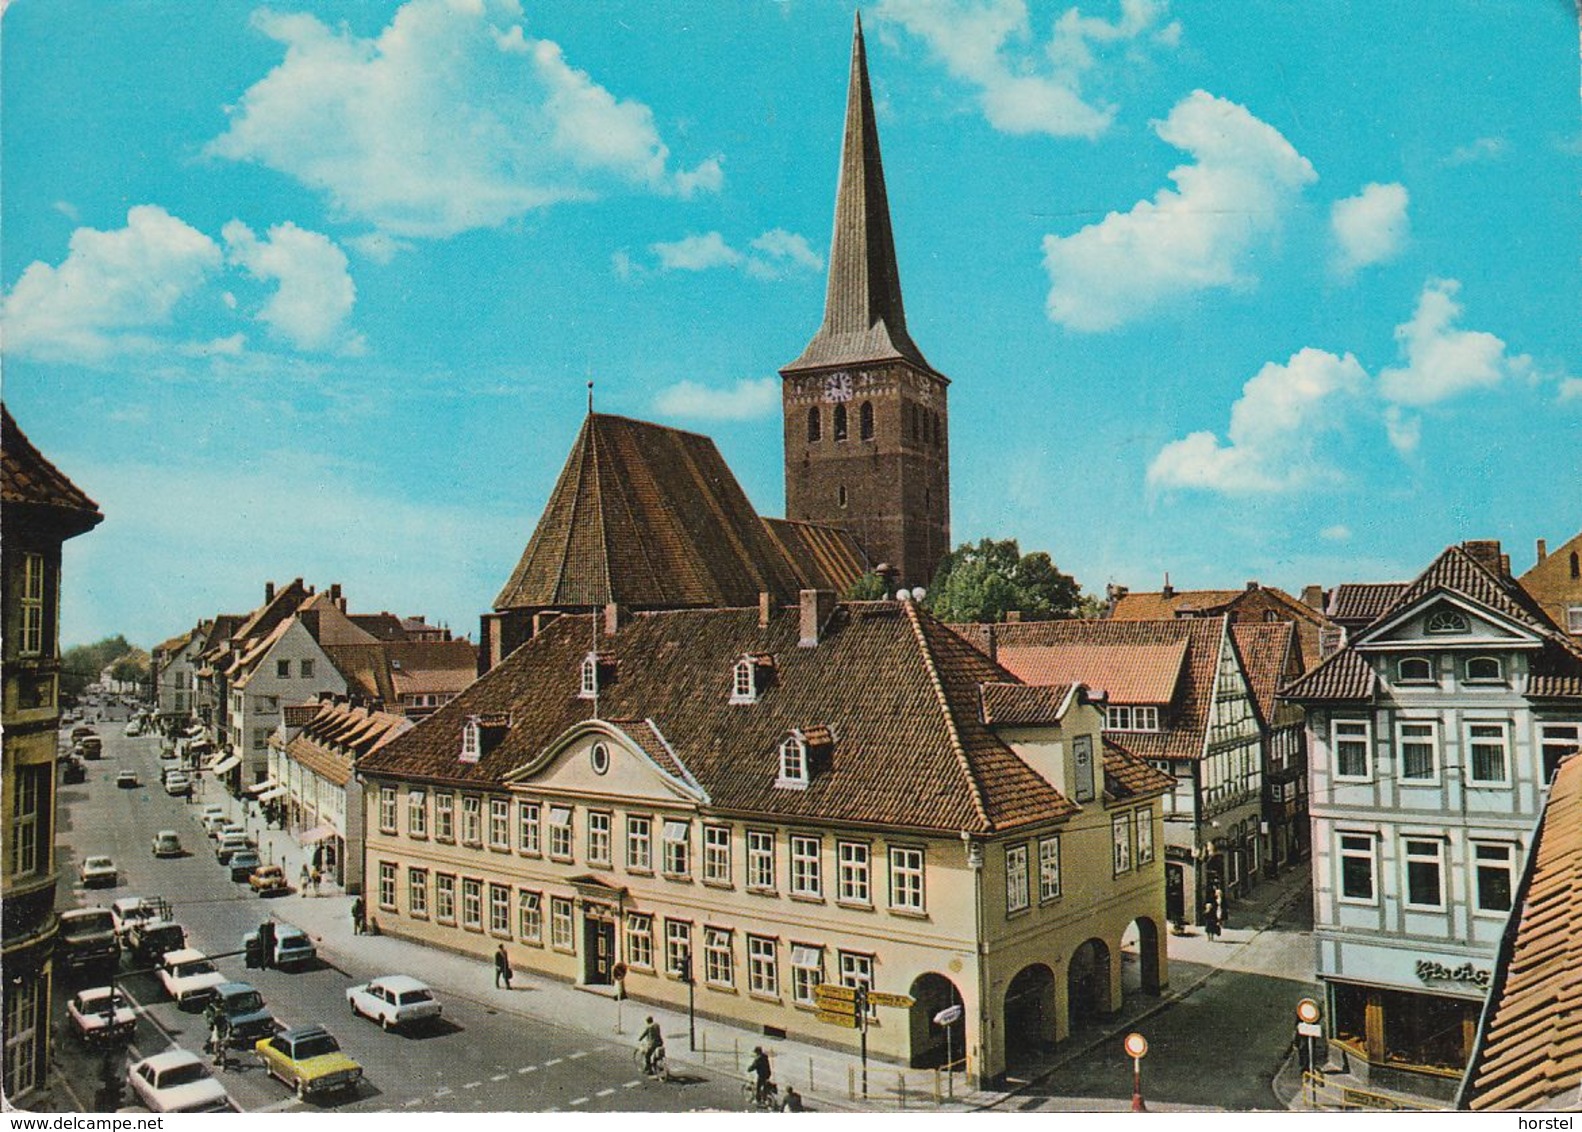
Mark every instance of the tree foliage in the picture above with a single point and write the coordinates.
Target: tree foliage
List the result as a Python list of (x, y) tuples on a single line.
[(869, 587), (81, 665), (986, 581)]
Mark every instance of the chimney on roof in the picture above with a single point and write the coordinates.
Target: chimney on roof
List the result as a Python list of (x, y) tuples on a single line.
[(269, 592), (1169, 590), (542, 618), (613, 616), (1112, 597), (1251, 586), (1013, 616), (1543, 549), (994, 643), (1486, 553), (764, 606), (1313, 597), (817, 605)]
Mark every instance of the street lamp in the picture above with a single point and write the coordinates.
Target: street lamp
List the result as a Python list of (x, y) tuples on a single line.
[(692, 1017), (1137, 1047)]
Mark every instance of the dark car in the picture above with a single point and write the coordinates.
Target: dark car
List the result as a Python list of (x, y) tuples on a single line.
[(149, 940), (73, 770), (87, 937), (242, 863), (244, 1009)]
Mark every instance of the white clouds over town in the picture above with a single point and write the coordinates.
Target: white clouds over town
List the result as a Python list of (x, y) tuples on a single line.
[(1204, 233), (451, 119), (772, 255), (1369, 228), (1023, 85), (748, 399), (314, 294)]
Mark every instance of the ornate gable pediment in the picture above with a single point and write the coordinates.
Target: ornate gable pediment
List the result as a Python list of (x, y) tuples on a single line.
[(622, 760), (1446, 620)]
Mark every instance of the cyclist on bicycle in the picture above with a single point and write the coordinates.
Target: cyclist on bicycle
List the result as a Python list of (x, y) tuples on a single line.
[(763, 1090), (652, 1043)]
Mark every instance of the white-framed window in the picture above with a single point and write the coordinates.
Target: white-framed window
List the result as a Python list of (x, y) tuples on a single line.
[(678, 947), (21, 1035), (1555, 742), (1015, 878), (260, 738), (718, 961), (744, 682), (906, 878), (527, 828), (28, 854), (598, 837), (807, 971), (472, 903), (806, 876), (1446, 621), (1351, 740), (1131, 717), (1574, 619), (1485, 670), (793, 764), (1417, 744), (856, 970), (640, 844), (417, 893), (677, 838), (640, 940), (499, 909), (763, 966), (589, 686), (1495, 875), (471, 819), (1357, 868), (761, 860), (387, 885), (717, 854), (1145, 835), (1424, 873), (471, 744), (852, 860), (499, 823), (599, 758), (529, 916), (1049, 868), (561, 936), (1121, 840), (417, 813), (1488, 746), (445, 898), (1414, 670), (445, 817), (30, 631), (560, 833)]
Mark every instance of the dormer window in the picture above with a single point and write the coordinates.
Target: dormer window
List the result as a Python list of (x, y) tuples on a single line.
[(1446, 621), (1485, 670), (793, 764), (1131, 717), (748, 677), (597, 671), (471, 743), (482, 734), (1415, 670)]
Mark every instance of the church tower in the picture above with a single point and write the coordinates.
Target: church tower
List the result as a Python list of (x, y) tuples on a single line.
[(866, 427)]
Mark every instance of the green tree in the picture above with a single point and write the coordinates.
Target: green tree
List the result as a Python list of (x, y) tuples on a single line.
[(81, 665), (869, 587), (986, 581), (133, 667)]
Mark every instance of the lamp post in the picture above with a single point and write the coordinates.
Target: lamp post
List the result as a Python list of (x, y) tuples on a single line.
[(692, 1017), (1137, 1047)]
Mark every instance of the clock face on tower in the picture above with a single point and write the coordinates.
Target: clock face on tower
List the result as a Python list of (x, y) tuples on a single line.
[(837, 386)]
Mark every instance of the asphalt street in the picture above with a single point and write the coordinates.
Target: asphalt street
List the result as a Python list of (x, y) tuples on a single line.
[(479, 1059)]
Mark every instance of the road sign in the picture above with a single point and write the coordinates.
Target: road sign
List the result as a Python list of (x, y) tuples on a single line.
[(836, 1006), (879, 998), (847, 1020), (1136, 1045), (1307, 1011), (1309, 1030), (835, 991), (948, 1015)]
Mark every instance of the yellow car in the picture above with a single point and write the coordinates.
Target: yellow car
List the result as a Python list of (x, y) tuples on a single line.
[(308, 1060)]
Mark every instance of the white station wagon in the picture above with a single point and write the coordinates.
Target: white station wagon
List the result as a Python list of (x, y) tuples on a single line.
[(394, 1000), (177, 1081)]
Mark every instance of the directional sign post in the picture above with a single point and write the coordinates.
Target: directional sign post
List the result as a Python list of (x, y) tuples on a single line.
[(1137, 1046), (947, 1018)]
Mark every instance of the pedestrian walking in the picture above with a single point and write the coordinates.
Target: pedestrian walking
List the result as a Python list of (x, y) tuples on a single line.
[(1211, 920), (502, 967), (303, 879), (357, 916), (317, 876)]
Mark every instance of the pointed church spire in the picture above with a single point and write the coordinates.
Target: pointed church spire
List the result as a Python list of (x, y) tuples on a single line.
[(864, 320)]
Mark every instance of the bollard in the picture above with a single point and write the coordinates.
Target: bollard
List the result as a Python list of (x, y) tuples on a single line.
[(900, 1089), (810, 1074), (851, 1082), (703, 1043), (736, 1055), (937, 1098)]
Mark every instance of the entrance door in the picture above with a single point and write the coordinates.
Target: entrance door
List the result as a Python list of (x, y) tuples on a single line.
[(1175, 893), (598, 936)]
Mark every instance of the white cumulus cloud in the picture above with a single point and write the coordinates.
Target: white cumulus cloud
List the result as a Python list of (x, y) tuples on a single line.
[(773, 255), (1024, 87), (1337, 533), (1441, 360), (747, 399), (1271, 442), (314, 293), (696, 253), (450, 119), (1370, 227), (1571, 389), (1201, 234), (113, 292)]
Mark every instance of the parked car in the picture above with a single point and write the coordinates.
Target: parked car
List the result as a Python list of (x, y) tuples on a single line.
[(244, 1009), (309, 1060), (82, 732), (211, 817), (167, 843), (189, 977), (73, 770), (95, 871), (100, 1015), (230, 844), (130, 910), (177, 784), (127, 780), (177, 1081), (292, 946), (86, 937), (268, 880), (150, 941), (230, 829), (242, 863), (394, 1000), (89, 747)]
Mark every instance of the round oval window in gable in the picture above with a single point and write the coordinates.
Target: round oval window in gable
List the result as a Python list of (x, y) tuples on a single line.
[(600, 757)]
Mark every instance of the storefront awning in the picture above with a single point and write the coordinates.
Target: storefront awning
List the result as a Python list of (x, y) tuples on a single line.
[(260, 787), (227, 764), (272, 793), (317, 833)]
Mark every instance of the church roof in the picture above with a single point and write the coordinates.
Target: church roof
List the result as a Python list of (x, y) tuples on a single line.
[(649, 517), (864, 320), (825, 558)]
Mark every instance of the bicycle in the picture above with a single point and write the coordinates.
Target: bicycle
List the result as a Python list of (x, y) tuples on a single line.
[(767, 1098), (652, 1065)]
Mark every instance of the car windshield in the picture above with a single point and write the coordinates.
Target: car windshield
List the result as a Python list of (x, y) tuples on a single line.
[(248, 1003), (101, 1003), (98, 922), (182, 1075), (98, 862), (194, 967), (316, 1046), (414, 996)]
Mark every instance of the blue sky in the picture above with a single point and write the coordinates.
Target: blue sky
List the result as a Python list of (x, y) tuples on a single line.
[(315, 289)]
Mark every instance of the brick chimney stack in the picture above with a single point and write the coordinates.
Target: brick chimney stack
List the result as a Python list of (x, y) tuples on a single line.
[(1486, 553), (1543, 549), (269, 592), (817, 605)]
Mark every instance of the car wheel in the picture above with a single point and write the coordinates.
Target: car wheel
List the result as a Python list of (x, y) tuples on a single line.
[(302, 1089), (385, 1023), (352, 1003)]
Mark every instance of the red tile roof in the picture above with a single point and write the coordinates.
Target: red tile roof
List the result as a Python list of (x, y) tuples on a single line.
[(1345, 676), (1008, 705), (899, 691), (1163, 606), (824, 558), (1126, 776), (1266, 650), (27, 478), (1528, 1055), (1359, 603), (339, 735), (1127, 674)]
